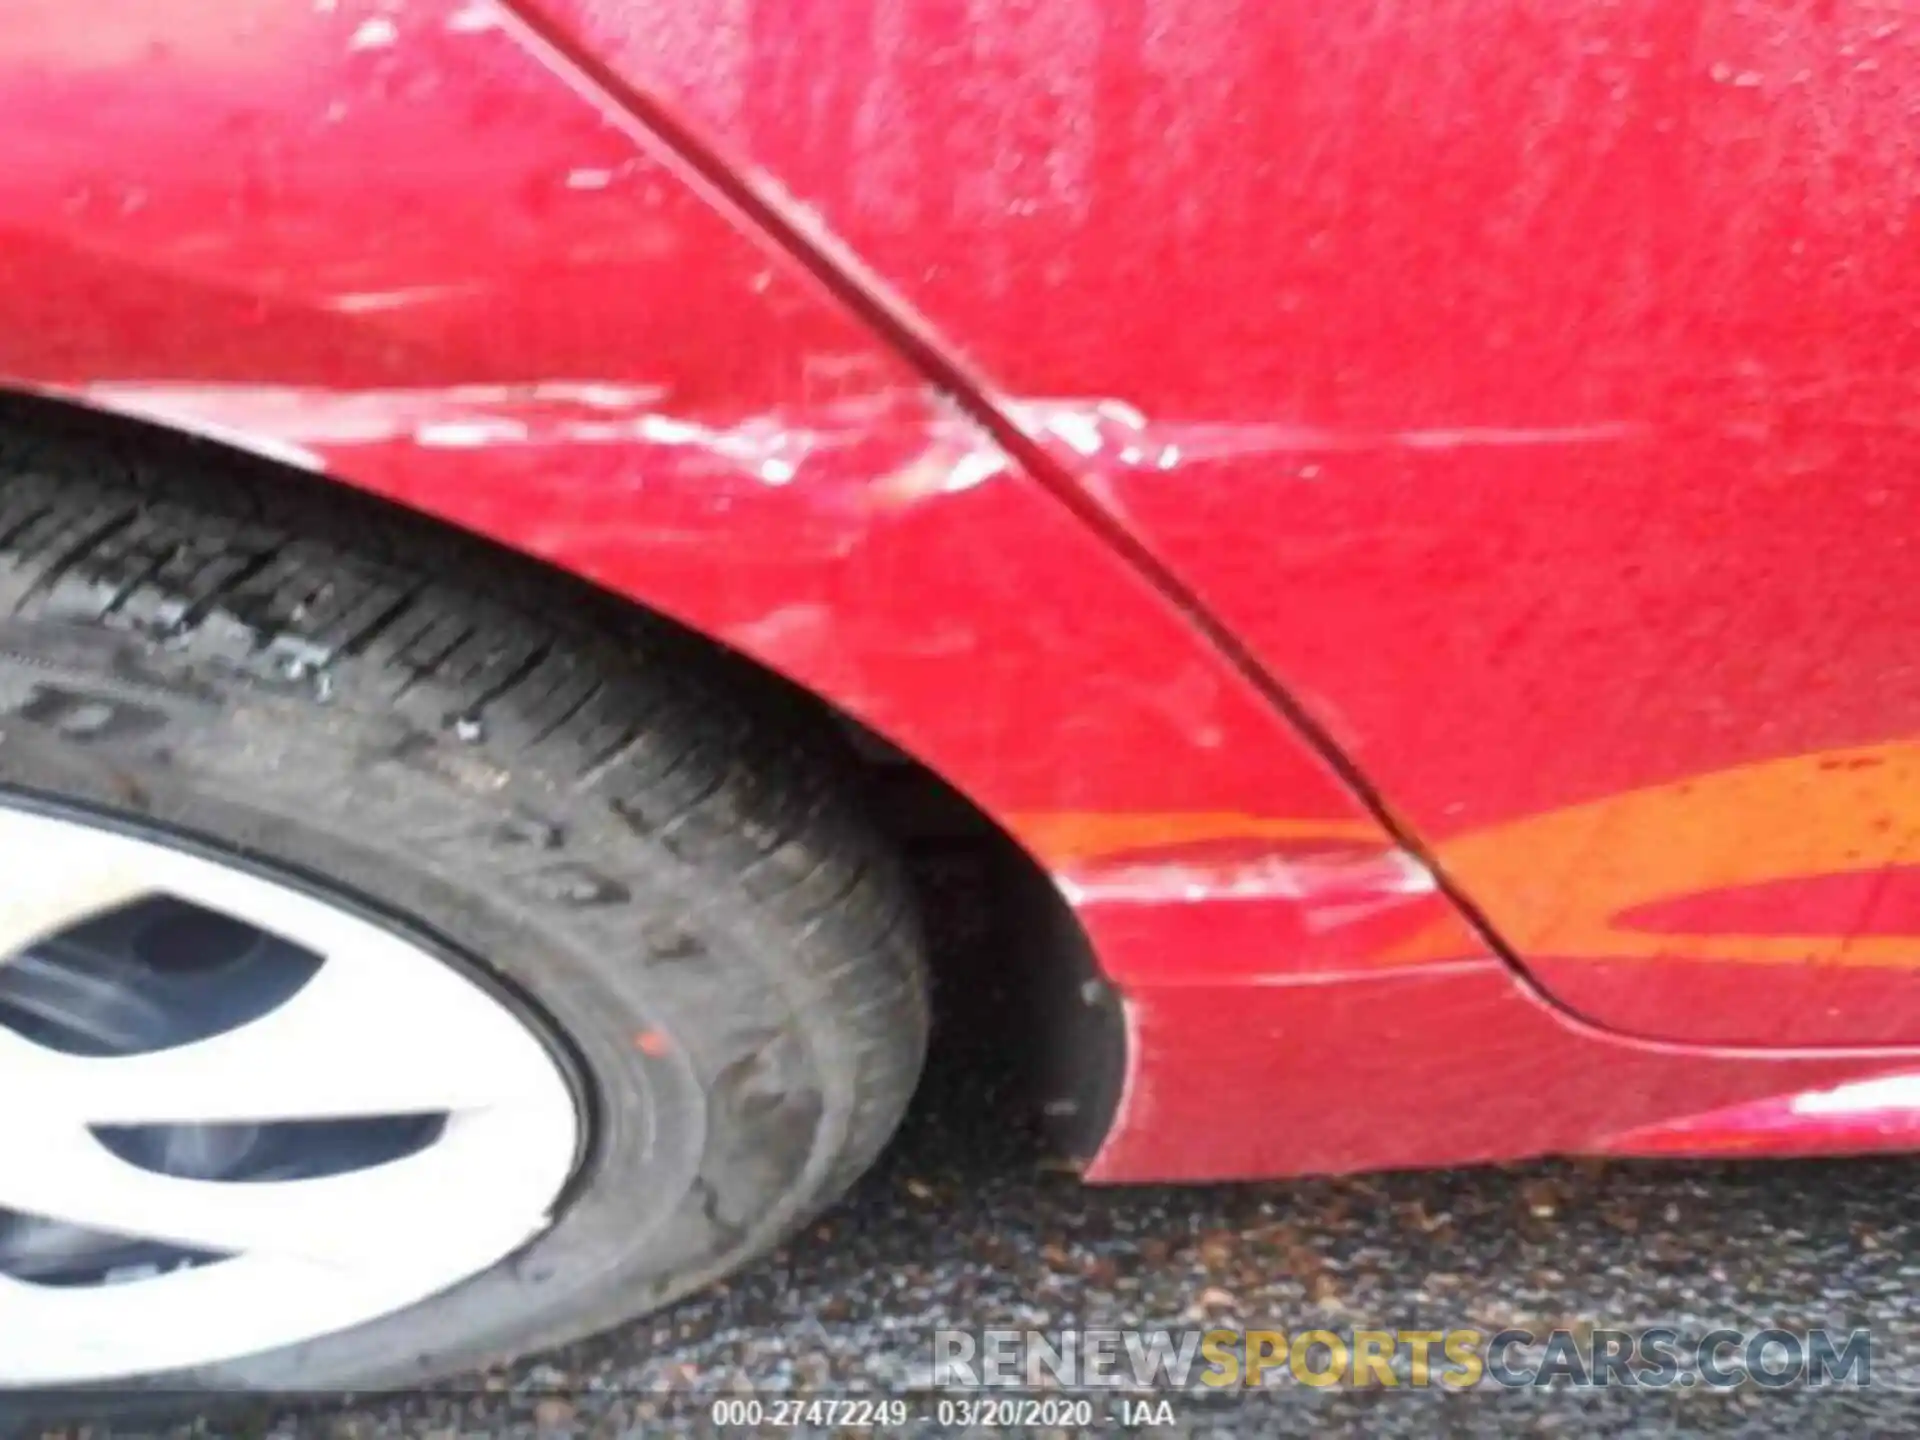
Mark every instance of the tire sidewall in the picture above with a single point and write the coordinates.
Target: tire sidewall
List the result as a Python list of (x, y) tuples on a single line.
[(712, 1117)]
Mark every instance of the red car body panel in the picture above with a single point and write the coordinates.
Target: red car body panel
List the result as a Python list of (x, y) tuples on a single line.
[(1530, 389), (1143, 415)]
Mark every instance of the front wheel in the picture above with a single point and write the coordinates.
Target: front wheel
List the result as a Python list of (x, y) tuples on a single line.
[(406, 960)]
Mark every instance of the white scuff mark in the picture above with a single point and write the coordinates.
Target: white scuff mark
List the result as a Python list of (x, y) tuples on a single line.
[(299, 424), (471, 434), (1086, 425), (1095, 428), (957, 460), (1354, 976), (1103, 428), (1081, 432), (800, 627), (290, 415), (263, 441), (1335, 917), (474, 18), (291, 421), (976, 467), (597, 432), (1341, 888), (268, 447), (1120, 413), (1862, 1097), (600, 394), (376, 33), (770, 449), (589, 178), (665, 430), (1473, 436), (371, 302)]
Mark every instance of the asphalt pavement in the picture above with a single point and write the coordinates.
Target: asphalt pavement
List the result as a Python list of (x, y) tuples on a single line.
[(966, 1223)]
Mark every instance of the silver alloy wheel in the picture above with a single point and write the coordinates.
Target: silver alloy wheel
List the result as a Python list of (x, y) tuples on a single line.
[(234, 1116)]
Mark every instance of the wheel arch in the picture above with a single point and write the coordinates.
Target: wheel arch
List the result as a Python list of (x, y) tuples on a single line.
[(1068, 1054)]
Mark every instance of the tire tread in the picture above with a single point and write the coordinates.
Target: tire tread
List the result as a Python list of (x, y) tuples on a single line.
[(693, 749)]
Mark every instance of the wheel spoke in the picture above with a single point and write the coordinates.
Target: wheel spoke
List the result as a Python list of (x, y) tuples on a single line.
[(393, 1213), (379, 1028), (58, 1336), (372, 1033), (62, 1335), (57, 874)]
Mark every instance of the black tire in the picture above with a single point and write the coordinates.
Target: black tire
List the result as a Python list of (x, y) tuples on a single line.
[(655, 845)]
